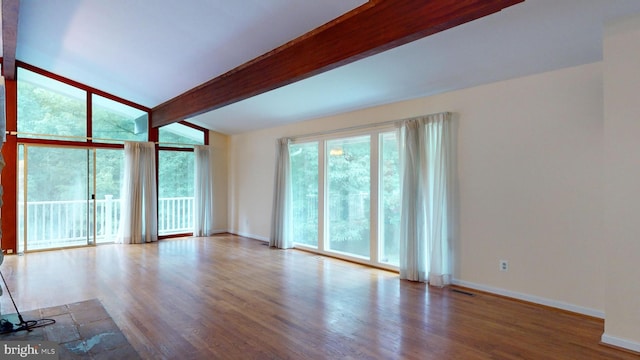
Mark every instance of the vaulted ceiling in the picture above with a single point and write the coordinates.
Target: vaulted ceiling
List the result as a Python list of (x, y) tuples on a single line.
[(155, 52)]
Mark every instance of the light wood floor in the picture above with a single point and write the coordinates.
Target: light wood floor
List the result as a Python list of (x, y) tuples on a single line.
[(228, 297)]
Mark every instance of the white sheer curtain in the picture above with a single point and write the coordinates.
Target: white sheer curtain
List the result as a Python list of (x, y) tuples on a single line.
[(139, 203), (281, 227), (427, 184), (203, 191)]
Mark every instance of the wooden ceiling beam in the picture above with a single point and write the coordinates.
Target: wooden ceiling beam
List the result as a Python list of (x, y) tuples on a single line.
[(367, 30), (10, 10)]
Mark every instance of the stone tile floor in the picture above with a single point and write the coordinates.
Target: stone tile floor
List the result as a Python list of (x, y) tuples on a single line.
[(83, 330)]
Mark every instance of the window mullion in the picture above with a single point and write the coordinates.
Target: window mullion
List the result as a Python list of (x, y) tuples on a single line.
[(89, 117)]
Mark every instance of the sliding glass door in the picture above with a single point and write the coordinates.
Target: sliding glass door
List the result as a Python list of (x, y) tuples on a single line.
[(68, 196), (55, 189), (346, 196)]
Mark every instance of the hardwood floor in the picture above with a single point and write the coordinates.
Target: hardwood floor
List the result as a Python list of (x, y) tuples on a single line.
[(228, 297)]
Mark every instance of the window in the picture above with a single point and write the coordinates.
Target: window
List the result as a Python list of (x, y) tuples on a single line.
[(177, 134), (176, 177), (112, 120), (50, 109), (175, 192), (69, 150)]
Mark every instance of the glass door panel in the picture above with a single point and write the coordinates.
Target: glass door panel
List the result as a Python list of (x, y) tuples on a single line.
[(304, 185), (348, 195), (55, 193), (390, 204), (175, 192), (109, 165)]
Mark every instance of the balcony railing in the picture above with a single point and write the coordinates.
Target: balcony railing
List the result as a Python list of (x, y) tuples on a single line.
[(54, 224)]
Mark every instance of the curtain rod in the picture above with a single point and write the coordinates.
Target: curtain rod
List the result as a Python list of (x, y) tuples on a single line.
[(359, 127)]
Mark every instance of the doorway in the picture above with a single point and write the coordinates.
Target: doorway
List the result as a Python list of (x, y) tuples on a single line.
[(67, 196)]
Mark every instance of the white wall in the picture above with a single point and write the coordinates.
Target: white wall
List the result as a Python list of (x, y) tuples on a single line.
[(252, 161), (530, 153), (530, 166), (220, 145), (622, 186)]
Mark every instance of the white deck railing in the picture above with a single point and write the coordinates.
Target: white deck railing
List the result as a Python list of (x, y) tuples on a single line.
[(53, 224)]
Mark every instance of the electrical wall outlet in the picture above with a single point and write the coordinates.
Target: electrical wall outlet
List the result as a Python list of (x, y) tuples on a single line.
[(504, 265)]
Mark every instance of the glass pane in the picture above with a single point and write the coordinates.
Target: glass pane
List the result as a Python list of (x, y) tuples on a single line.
[(389, 210), (348, 179), (112, 120), (175, 188), (304, 184), (109, 171), (177, 133), (57, 208), (50, 108)]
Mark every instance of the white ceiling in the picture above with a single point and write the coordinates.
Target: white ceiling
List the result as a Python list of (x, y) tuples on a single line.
[(149, 51)]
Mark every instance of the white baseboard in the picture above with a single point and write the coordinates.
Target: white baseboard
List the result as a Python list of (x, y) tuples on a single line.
[(256, 237), (533, 299), (621, 343)]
